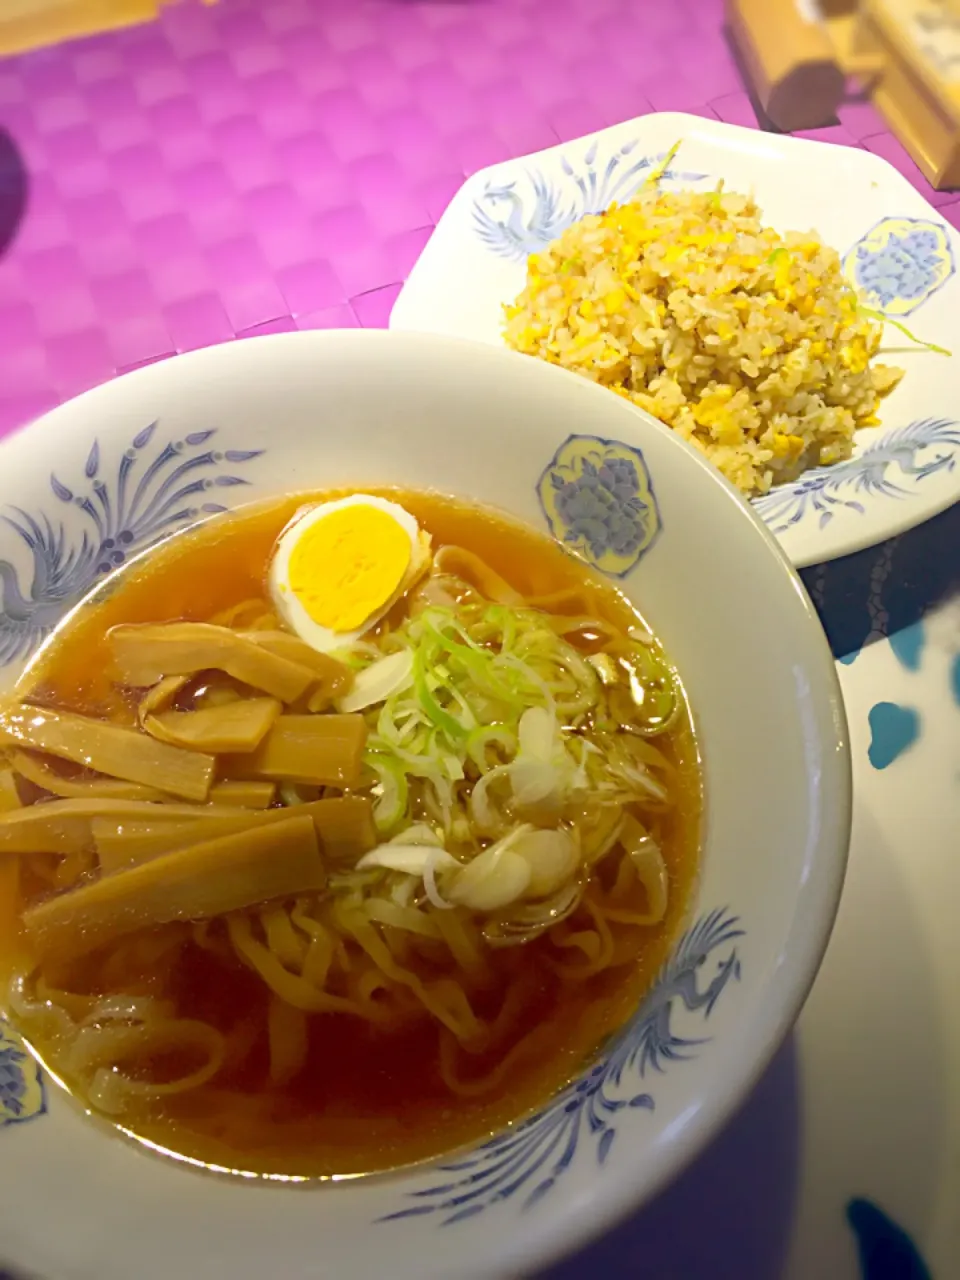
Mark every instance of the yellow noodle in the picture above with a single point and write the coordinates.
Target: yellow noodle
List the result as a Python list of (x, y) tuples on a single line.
[(9, 796), (287, 945), (464, 564), (77, 1007), (287, 1033), (619, 915), (648, 866), (383, 911), (475, 1088), (462, 1022), (138, 962), (249, 615), (322, 947), (290, 987), (99, 1053), (604, 954), (319, 958), (369, 984), (598, 837), (572, 626), (460, 934), (515, 1003), (626, 878), (568, 600), (585, 940), (398, 942), (239, 1043), (9, 898), (205, 935)]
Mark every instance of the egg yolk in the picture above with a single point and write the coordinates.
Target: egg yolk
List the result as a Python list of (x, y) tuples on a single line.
[(347, 565)]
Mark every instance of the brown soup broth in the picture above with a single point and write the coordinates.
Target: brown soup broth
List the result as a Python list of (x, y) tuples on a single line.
[(368, 1098)]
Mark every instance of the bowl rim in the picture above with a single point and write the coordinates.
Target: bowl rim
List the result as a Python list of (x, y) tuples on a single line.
[(575, 1222)]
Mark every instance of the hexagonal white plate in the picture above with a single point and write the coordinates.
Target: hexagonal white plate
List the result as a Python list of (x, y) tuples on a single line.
[(894, 244)]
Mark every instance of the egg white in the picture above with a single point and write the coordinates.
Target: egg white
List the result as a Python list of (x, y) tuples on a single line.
[(278, 577)]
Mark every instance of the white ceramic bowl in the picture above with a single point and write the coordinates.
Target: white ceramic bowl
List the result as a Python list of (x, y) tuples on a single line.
[(103, 475)]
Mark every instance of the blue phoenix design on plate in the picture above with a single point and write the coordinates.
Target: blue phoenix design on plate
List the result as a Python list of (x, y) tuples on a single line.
[(22, 1091), (900, 263), (513, 222), (154, 493), (528, 1159), (598, 498), (824, 491)]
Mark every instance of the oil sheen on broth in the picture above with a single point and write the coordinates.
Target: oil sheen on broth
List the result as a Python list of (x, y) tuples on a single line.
[(521, 992)]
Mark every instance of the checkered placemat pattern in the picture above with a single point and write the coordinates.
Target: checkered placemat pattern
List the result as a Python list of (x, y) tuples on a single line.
[(263, 165)]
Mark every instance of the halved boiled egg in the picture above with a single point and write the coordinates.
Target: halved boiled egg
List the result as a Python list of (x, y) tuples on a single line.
[(340, 566)]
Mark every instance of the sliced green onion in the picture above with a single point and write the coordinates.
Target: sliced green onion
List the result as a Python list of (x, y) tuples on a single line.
[(490, 735), (391, 804), (885, 319), (432, 708), (657, 173), (477, 669)]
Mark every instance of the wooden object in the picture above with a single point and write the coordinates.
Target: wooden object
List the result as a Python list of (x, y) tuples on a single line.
[(836, 8), (789, 59), (855, 59), (28, 24), (918, 92)]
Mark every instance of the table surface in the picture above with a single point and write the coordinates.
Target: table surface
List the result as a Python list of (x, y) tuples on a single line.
[(263, 165), (267, 165)]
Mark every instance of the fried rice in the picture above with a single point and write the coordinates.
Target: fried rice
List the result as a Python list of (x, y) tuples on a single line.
[(748, 343)]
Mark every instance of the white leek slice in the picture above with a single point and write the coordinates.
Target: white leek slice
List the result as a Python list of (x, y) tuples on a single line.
[(377, 682), (494, 878), (411, 859), (552, 856)]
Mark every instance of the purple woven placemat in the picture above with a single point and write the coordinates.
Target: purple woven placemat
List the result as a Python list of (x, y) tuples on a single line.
[(279, 164)]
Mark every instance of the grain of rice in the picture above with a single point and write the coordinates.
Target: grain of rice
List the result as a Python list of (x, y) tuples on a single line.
[(749, 344)]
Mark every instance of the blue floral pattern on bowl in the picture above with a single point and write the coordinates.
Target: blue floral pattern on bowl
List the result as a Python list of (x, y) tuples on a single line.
[(900, 263), (598, 498), (919, 450), (516, 219), (154, 492), (526, 1161), (22, 1091)]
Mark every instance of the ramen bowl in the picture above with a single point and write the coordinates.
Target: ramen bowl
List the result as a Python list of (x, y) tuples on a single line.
[(102, 478)]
